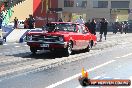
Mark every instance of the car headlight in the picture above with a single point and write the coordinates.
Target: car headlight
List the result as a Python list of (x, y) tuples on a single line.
[(61, 39), (29, 37)]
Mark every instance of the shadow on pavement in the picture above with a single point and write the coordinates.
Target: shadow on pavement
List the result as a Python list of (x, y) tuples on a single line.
[(44, 55)]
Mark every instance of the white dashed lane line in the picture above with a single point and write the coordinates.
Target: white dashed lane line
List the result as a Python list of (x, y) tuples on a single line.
[(17, 46), (125, 55)]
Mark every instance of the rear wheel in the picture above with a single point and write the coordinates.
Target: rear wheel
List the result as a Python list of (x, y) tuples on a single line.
[(33, 50), (68, 50), (91, 43), (88, 47), (1, 43)]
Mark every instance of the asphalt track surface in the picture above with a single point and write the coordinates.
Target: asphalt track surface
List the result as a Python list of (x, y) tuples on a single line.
[(109, 59)]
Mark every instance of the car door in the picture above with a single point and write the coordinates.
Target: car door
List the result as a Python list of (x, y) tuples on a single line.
[(87, 36), (79, 38)]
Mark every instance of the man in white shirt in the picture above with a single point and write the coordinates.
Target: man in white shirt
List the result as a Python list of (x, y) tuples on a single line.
[(80, 20)]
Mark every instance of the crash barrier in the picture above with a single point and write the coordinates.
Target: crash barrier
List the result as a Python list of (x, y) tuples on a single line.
[(23, 37), (6, 31), (18, 35), (15, 35)]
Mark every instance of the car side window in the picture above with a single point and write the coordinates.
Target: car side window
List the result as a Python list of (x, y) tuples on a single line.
[(80, 29), (84, 30), (72, 28)]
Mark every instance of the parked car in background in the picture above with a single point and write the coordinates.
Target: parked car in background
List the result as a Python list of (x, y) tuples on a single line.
[(11, 24), (130, 25), (62, 37)]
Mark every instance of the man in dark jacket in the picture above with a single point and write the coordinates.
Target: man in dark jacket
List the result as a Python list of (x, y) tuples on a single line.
[(87, 24), (93, 27), (31, 22), (103, 28)]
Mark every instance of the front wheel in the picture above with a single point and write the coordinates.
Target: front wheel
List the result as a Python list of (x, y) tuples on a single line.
[(68, 50), (88, 47), (33, 50)]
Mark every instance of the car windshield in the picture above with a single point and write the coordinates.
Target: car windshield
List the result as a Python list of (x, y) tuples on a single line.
[(61, 27)]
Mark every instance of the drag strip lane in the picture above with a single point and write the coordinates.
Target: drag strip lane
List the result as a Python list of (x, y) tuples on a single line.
[(89, 70)]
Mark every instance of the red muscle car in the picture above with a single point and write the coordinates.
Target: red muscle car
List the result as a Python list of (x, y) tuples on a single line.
[(61, 36)]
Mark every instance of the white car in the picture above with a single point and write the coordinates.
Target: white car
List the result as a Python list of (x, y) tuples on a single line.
[(20, 24)]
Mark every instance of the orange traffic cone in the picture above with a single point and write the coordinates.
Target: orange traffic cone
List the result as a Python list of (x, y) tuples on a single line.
[(86, 74)]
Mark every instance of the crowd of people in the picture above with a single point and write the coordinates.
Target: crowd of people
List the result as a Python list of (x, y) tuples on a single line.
[(92, 26), (29, 23), (102, 25), (120, 26)]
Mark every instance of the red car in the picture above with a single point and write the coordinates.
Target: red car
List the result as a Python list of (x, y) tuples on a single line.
[(61, 36)]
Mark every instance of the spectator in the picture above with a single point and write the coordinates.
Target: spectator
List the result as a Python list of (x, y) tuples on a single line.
[(33, 19), (121, 27), (87, 24), (80, 20), (93, 27), (26, 23), (115, 27), (103, 28), (31, 22), (126, 27), (15, 22)]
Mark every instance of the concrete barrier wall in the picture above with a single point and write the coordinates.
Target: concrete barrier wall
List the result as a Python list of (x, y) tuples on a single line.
[(15, 35)]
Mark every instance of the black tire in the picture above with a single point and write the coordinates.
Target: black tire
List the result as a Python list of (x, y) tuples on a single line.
[(91, 44), (1, 43), (68, 50), (33, 50), (88, 47)]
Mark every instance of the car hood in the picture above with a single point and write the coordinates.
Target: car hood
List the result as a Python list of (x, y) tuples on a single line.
[(49, 33)]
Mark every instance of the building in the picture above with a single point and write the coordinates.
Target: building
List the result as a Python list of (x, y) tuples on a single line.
[(112, 10), (42, 10)]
